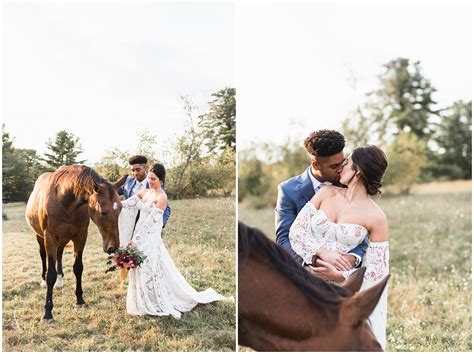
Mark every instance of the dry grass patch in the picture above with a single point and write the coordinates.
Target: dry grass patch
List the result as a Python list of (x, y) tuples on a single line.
[(201, 238)]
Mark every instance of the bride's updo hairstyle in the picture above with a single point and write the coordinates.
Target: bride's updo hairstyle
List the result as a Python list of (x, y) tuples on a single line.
[(371, 162), (159, 170)]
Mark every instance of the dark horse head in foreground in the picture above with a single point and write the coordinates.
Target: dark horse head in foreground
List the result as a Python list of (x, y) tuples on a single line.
[(282, 307), (59, 210)]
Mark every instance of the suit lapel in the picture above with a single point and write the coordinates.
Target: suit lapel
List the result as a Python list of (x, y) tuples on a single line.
[(132, 184), (305, 186)]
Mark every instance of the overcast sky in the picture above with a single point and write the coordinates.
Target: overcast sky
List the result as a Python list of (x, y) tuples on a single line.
[(303, 67), (104, 72)]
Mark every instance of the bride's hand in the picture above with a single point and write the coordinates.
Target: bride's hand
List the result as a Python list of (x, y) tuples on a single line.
[(334, 257), (326, 271)]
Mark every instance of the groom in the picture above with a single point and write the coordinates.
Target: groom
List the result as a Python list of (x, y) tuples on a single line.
[(138, 181), (325, 148)]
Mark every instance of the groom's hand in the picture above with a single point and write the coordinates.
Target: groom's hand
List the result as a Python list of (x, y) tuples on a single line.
[(326, 271), (336, 258)]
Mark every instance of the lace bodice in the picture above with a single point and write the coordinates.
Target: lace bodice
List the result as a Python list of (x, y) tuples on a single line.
[(312, 230)]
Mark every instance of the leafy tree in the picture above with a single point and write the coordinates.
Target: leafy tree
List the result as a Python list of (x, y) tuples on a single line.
[(213, 176), (218, 125), (20, 169), (7, 146), (252, 180), (357, 129), (406, 158), (453, 157), (114, 164), (189, 149), (63, 150), (147, 145)]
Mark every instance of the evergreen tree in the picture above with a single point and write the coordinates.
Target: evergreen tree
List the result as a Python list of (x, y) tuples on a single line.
[(404, 102), (63, 150), (453, 157), (20, 169), (218, 124)]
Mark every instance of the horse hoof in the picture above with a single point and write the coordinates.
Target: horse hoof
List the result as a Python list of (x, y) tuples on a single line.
[(43, 283), (59, 282), (47, 320), (81, 306)]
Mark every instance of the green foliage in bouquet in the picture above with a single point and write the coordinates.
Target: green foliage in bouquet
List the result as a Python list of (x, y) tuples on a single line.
[(128, 257)]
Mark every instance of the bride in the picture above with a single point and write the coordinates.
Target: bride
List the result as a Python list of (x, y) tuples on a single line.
[(338, 219), (156, 287)]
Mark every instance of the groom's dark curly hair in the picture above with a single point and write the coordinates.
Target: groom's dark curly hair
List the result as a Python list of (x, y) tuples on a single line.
[(324, 142)]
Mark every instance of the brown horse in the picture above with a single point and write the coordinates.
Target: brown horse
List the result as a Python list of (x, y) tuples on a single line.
[(282, 307), (59, 210)]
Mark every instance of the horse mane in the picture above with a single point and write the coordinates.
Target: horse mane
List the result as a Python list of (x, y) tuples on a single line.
[(79, 179), (321, 293)]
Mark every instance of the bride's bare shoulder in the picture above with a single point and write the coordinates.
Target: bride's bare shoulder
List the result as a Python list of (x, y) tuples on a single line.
[(161, 201), (324, 193)]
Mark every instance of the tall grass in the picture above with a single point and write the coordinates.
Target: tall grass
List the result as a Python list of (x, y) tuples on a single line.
[(200, 237), (430, 263)]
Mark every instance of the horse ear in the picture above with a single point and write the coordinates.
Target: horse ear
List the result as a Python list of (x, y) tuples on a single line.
[(354, 282), (95, 186), (120, 182), (359, 307)]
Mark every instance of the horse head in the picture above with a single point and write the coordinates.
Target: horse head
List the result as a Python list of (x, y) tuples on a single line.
[(105, 206), (282, 307), (353, 328)]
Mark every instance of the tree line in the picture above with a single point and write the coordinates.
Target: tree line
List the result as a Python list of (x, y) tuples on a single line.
[(200, 161), (424, 142)]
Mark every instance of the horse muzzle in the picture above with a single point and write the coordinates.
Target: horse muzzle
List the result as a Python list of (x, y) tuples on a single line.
[(110, 250)]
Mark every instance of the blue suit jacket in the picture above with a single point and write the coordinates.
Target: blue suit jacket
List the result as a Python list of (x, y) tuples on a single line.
[(293, 195), (127, 188)]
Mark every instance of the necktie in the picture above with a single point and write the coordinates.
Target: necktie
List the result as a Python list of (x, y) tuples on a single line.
[(321, 185)]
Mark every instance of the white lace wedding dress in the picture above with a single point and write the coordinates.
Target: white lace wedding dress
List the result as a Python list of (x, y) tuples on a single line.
[(312, 230), (156, 287)]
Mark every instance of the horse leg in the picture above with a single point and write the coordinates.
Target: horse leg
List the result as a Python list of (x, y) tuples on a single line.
[(60, 282), (78, 268), (43, 260), (51, 276)]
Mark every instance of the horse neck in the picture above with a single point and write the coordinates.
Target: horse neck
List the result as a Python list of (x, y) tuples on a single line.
[(72, 201), (264, 291), (276, 315)]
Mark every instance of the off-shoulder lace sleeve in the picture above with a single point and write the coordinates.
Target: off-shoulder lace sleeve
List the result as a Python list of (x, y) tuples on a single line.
[(126, 220), (131, 202), (301, 237), (376, 261)]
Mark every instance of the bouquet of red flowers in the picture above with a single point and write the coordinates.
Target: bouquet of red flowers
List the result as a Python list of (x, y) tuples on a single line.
[(128, 257)]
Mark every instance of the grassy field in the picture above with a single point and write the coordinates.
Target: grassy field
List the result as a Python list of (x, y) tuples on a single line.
[(200, 237), (430, 263)]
